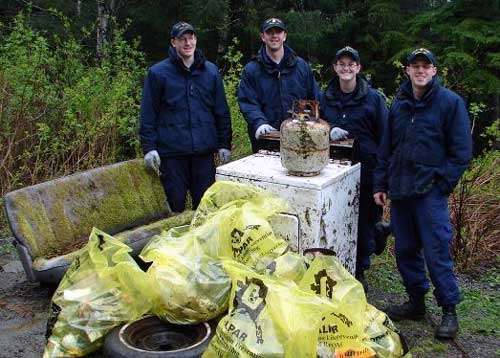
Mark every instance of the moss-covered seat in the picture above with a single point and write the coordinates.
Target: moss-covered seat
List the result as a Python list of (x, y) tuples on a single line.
[(51, 220)]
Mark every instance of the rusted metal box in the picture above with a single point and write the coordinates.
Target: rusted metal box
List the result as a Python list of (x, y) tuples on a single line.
[(327, 204)]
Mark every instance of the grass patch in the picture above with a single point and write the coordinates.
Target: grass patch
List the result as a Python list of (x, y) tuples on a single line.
[(492, 276), (6, 246), (430, 346), (383, 273), (479, 312)]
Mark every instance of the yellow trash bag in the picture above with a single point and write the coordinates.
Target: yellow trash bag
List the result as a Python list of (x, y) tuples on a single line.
[(268, 317), (232, 221), (382, 336), (243, 233), (341, 331), (289, 266), (102, 289), (237, 229), (226, 193), (188, 286)]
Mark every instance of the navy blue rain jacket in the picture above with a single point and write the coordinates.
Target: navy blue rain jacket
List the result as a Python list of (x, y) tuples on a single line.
[(363, 115), (184, 111), (427, 142), (267, 89)]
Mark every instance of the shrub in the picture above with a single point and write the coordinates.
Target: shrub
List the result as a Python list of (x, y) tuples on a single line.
[(474, 208), (60, 111), (241, 141)]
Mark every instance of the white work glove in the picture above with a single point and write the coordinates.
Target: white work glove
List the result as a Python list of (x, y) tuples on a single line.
[(338, 133), (152, 160), (263, 129), (224, 155)]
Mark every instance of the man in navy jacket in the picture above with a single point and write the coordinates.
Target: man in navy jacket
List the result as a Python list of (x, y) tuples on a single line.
[(184, 119), (355, 110), (272, 81), (424, 150)]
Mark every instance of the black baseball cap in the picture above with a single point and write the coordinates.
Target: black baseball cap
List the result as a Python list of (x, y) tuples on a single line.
[(272, 22), (180, 29), (422, 52), (349, 51)]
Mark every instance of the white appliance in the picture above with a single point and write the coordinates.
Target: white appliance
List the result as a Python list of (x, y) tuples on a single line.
[(326, 205)]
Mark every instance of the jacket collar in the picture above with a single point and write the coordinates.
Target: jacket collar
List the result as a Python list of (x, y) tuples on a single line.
[(289, 60), (405, 92), (333, 91), (199, 60)]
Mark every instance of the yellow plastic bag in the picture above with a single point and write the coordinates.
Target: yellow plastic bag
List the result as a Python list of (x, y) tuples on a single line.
[(289, 266), (225, 193), (102, 289), (268, 317), (382, 336), (188, 286), (341, 332)]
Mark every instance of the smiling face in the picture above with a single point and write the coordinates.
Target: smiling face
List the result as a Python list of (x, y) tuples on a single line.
[(421, 72), (274, 38), (346, 68), (185, 45)]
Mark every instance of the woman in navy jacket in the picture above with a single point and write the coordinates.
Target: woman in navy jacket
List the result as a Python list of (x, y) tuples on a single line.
[(355, 110)]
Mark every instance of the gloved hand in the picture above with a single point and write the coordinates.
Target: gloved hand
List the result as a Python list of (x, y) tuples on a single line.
[(263, 129), (152, 160), (224, 155), (338, 133)]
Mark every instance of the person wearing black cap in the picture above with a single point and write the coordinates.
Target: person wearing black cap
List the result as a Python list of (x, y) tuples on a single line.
[(425, 149), (271, 81), (185, 119), (355, 110)]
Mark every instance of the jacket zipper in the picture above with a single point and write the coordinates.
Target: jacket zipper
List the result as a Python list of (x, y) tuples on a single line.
[(281, 99)]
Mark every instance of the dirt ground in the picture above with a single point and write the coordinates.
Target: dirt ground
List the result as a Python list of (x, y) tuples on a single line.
[(24, 307)]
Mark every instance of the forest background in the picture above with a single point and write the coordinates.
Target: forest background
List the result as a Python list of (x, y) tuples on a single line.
[(71, 77)]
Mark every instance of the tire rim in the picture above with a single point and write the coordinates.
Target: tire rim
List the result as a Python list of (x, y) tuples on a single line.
[(150, 334)]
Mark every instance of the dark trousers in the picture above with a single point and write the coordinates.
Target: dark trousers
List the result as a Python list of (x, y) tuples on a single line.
[(195, 173), (369, 215), (423, 235)]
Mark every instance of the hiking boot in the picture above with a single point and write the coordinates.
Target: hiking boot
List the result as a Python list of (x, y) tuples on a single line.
[(382, 231), (360, 276), (413, 309), (449, 324)]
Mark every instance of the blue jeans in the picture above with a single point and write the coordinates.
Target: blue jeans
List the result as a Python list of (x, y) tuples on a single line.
[(195, 173), (423, 235)]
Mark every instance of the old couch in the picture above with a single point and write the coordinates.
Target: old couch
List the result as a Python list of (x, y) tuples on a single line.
[(48, 220)]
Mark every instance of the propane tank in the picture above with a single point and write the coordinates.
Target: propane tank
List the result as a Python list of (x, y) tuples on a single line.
[(305, 140)]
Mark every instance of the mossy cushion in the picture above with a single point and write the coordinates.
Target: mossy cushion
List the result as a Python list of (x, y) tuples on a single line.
[(48, 217), (135, 238)]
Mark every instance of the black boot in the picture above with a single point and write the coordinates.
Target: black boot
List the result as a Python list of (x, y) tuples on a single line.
[(413, 309), (449, 324), (382, 231), (360, 276)]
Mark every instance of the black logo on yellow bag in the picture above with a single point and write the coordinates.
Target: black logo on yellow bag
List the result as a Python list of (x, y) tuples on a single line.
[(323, 285), (251, 297)]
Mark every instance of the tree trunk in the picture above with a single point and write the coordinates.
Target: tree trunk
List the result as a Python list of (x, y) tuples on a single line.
[(105, 10)]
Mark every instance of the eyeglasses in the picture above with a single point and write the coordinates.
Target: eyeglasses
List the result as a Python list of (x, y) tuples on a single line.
[(347, 65), (186, 38), (414, 66)]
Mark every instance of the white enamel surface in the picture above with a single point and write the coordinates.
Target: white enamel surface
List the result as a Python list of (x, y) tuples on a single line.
[(327, 204)]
